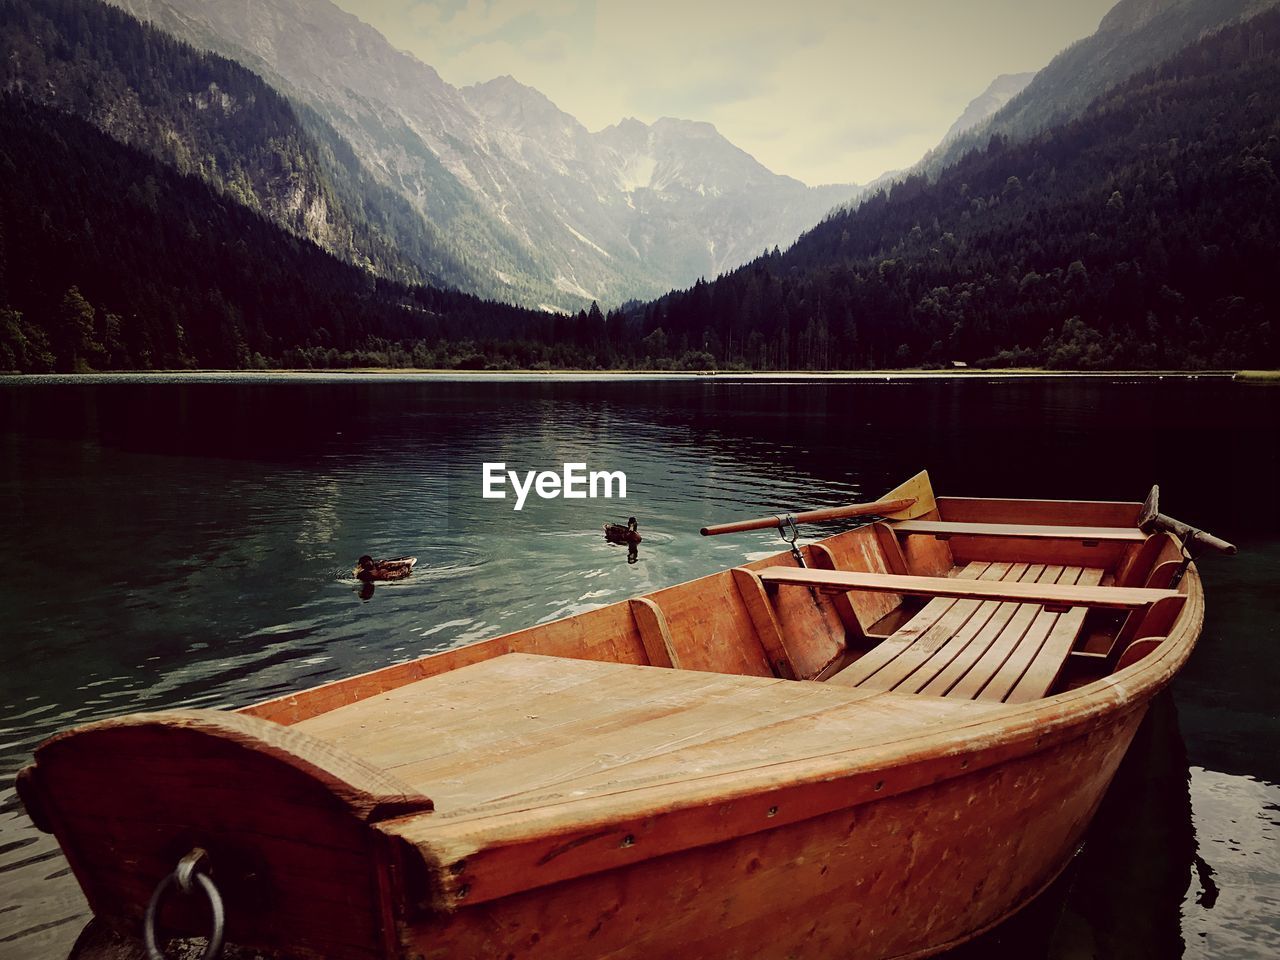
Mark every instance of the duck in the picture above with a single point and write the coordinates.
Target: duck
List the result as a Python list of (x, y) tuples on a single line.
[(369, 569), (617, 533)]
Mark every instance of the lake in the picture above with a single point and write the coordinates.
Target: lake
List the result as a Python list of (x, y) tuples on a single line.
[(189, 540)]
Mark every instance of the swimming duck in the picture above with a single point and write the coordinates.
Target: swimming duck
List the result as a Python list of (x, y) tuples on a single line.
[(369, 569), (617, 533)]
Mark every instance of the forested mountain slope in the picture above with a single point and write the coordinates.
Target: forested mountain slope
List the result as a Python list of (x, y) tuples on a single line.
[(210, 117), (1143, 234), (109, 259), (1135, 35)]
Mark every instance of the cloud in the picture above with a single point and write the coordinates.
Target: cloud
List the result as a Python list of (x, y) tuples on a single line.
[(460, 25), (821, 90)]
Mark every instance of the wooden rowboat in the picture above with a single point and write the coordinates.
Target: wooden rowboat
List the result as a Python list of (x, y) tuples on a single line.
[(879, 753)]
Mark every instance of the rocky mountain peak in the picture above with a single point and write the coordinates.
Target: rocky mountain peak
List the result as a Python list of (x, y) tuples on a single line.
[(516, 106), (558, 214), (1001, 90)]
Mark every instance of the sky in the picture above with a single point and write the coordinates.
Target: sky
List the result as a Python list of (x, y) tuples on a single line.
[(823, 91)]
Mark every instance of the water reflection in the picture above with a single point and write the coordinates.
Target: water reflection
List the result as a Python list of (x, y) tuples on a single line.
[(1121, 898), (1142, 851), (213, 527)]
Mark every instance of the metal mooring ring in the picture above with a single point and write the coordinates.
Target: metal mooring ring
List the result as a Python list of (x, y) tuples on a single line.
[(184, 878)]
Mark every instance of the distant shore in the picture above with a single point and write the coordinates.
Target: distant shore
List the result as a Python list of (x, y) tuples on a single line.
[(1243, 376)]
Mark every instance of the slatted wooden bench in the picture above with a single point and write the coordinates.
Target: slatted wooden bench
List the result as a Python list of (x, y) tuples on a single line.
[(996, 631), (945, 529)]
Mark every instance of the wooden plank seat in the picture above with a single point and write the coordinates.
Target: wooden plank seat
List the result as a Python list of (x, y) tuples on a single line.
[(1050, 592), (943, 529), (996, 632)]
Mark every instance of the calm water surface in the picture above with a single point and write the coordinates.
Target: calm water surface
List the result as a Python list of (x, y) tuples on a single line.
[(190, 542)]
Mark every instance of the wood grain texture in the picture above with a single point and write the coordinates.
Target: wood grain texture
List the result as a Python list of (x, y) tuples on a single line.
[(1139, 561), (711, 628), (368, 792), (1153, 622), (1092, 513), (608, 634), (460, 731), (982, 649), (1029, 645), (887, 651), (768, 629), (859, 550), (1163, 574), (918, 489), (285, 818), (1137, 650), (1043, 591), (1029, 531), (890, 549), (655, 633), (874, 878), (820, 556), (1027, 617), (967, 648), (689, 808), (955, 621), (592, 846), (1047, 663), (812, 623), (1106, 554), (931, 557)]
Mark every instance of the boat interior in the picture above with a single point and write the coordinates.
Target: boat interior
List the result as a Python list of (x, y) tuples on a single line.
[(888, 631)]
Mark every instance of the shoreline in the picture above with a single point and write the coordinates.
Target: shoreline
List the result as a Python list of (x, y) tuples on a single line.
[(414, 373)]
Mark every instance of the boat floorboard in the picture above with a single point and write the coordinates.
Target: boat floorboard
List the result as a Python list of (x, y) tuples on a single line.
[(523, 730), (971, 649)]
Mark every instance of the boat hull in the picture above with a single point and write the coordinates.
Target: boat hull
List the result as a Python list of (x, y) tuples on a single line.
[(908, 876)]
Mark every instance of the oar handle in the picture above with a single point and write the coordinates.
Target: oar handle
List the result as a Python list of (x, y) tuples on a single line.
[(1214, 543), (1160, 523), (879, 508)]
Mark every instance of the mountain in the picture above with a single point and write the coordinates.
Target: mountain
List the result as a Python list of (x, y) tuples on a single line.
[(1133, 36), (1142, 233), (1129, 15), (210, 117), (553, 213), (980, 109), (1002, 89), (111, 259)]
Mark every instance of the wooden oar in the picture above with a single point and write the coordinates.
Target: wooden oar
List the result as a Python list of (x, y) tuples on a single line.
[(879, 508), (1151, 520)]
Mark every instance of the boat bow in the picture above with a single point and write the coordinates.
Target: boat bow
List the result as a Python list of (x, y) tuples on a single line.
[(287, 820)]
